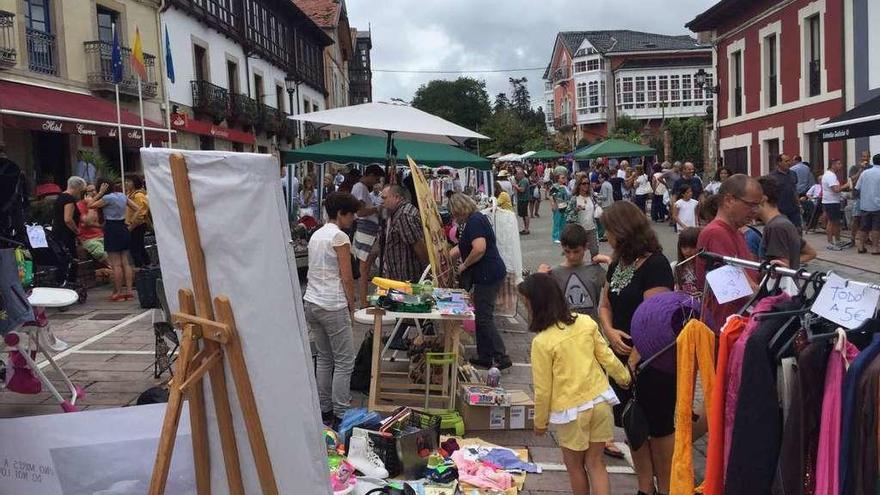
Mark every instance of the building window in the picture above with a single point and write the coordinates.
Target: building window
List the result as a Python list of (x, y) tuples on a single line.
[(258, 88), (591, 51), (674, 91), (581, 95), (315, 107), (279, 97), (550, 105), (640, 91), (626, 92), (686, 94), (307, 105), (580, 66), (548, 86), (232, 76), (707, 95), (652, 91), (36, 13), (594, 64), (771, 55), (737, 73), (663, 92), (106, 19), (814, 55), (200, 62)]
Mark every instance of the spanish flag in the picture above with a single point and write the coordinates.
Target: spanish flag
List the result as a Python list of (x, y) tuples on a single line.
[(137, 57)]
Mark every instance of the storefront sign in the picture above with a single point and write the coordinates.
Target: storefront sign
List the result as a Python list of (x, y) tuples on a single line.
[(184, 123), (85, 131), (53, 126)]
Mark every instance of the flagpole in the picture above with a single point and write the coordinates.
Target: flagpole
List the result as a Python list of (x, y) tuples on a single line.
[(141, 104), (119, 136)]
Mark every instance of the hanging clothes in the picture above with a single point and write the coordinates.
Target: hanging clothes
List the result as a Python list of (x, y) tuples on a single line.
[(848, 444), (757, 428), (800, 436), (734, 372), (507, 239), (863, 453), (828, 455), (714, 480), (695, 353)]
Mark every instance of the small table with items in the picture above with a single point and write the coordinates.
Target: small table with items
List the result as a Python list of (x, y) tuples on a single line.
[(397, 386)]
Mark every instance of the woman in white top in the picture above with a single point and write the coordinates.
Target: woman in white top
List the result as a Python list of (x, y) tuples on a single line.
[(329, 302), (720, 176), (643, 187), (585, 206)]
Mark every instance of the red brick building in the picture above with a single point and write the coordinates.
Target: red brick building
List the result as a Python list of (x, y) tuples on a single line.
[(595, 76), (779, 66)]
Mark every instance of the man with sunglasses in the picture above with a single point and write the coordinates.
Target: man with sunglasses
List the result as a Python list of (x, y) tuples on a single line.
[(740, 197)]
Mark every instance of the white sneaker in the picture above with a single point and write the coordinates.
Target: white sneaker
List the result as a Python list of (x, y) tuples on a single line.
[(362, 457)]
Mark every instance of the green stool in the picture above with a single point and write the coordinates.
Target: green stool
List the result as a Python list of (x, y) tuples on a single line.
[(449, 419)]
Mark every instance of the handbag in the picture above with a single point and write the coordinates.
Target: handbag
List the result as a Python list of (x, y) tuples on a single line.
[(597, 210), (635, 422)]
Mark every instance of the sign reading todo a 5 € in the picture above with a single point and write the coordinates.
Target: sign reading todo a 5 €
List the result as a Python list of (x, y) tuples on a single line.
[(846, 303)]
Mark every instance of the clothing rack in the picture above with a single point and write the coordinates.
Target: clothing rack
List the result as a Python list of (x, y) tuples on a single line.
[(765, 268)]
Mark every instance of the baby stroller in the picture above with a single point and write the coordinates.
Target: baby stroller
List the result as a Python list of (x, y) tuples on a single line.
[(56, 255)]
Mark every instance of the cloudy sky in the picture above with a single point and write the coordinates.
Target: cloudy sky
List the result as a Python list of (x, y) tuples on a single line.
[(425, 35)]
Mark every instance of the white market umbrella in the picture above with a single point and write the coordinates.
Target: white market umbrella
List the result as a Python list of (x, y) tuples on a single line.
[(510, 157), (527, 154), (387, 120), (495, 156)]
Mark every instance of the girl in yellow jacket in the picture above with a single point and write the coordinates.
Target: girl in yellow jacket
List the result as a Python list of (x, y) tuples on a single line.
[(569, 362)]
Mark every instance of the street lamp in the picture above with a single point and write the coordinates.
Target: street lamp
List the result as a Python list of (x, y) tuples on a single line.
[(292, 82), (701, 82)]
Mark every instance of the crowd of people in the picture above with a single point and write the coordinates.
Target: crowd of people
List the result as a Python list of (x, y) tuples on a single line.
[(94, 219)]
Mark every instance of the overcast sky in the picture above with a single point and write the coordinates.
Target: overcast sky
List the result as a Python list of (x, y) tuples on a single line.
[(494, 34)]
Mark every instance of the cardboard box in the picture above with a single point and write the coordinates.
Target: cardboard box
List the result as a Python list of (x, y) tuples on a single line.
[(519, 415), (482, 395)]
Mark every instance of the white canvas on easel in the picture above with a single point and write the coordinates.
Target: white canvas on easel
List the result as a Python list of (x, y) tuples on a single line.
[(245, 237)]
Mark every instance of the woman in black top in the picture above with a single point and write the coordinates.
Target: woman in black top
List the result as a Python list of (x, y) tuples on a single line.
[(483, 270), (639, 270)]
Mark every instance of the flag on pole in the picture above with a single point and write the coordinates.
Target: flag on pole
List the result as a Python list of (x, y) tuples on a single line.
[(137, 57), (116, 58), (169, 62)]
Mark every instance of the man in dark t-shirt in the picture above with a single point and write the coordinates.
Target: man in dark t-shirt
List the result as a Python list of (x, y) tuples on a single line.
[(781, 240), (787, 200)]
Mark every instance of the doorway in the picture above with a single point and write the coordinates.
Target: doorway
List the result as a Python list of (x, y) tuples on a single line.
[(737, 160), (51, 153)]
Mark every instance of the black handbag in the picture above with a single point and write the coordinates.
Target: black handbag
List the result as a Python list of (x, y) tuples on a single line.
[(635, 422)]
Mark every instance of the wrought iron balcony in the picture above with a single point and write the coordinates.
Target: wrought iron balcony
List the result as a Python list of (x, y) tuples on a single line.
[(561, 74), (243, 109), (289, 129), (99, 60), (563, 122), (41, 49), (211, 100), (7, 40), (270, 120)]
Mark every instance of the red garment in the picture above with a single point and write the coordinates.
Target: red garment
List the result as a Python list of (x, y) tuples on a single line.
[(720, 238), (540, 170), (87, 233), (714, 482)]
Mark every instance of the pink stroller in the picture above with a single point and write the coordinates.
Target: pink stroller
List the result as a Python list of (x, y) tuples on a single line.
[(23, 374)]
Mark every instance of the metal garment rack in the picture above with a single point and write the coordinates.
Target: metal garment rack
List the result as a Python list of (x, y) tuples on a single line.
[(773, 269)]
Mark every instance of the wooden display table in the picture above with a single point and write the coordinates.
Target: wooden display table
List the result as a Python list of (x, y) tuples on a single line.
[(397, 386)]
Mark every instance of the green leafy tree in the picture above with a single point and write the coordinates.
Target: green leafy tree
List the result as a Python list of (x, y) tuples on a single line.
[(686, 136), (502, 103), (463, 101), (627, 128)]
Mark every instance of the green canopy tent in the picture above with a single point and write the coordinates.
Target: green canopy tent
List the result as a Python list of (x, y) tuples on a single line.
[(371, 149), (614, 148), (546, 155)]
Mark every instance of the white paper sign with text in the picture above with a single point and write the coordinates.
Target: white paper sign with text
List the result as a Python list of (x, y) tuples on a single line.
[(729, 283), (37, 236), (846, 303)]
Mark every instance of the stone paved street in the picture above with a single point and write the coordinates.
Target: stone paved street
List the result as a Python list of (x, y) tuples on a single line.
[(111, 356)]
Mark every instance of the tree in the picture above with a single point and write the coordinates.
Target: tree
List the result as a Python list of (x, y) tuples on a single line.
[(686, 136), (627, 128), (463, 101), (501, 102)]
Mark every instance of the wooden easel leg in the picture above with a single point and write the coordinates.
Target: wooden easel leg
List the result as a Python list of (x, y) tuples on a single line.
[(376, 368), (202, 291), (198, 420), (172, 416), (246, 399)]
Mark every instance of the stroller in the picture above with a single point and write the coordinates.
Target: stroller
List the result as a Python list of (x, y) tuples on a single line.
[(56, 256)]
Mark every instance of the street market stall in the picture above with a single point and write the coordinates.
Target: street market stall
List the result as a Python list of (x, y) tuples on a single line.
[(614, 148)]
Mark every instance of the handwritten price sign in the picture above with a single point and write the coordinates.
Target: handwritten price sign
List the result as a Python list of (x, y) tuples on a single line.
[(846, 303), (729, 283)]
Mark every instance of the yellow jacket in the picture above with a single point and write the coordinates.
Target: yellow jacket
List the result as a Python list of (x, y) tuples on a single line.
[(133, 218), (567, 367)]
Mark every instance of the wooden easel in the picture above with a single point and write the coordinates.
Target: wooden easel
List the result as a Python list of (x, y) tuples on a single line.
[(219, 340)]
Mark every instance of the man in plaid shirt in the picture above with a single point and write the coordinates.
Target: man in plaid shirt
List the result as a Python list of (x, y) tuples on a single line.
[(406, 254)]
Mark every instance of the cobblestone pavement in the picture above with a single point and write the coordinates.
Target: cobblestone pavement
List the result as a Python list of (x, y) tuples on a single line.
[(111, 356)]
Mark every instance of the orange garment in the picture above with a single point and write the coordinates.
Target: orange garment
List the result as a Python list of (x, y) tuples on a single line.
[(696, 348), (714, 482)]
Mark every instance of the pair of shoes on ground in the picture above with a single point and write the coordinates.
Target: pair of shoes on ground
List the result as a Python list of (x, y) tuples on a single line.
[(501, 364)]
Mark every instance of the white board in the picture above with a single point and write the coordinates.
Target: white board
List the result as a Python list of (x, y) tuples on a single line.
[(103, 452), (245, 236)]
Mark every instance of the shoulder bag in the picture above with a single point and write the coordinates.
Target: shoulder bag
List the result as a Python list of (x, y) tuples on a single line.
[(635, 423)]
